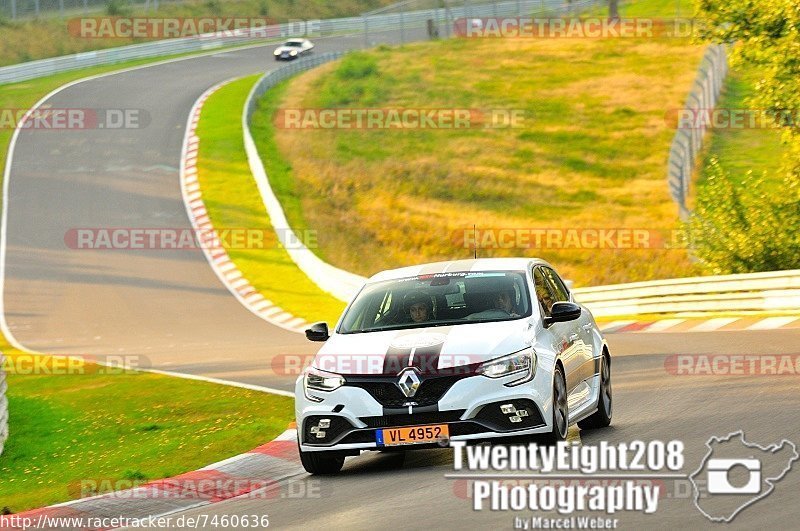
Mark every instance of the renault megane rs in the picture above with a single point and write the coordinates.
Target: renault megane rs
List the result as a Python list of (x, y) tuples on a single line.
[(464, 350)]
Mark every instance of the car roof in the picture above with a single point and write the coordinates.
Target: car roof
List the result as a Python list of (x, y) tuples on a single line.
[(480, 264), (295, 40)]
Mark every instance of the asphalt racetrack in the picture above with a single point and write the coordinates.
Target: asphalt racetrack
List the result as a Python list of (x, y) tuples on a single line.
[(170, 307)]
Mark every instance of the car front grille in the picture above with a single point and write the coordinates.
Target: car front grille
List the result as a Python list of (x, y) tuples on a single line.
[(388, 394), (434, 417)]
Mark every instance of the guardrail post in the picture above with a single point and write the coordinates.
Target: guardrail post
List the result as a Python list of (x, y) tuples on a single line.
[(13, 9), (366, 31)]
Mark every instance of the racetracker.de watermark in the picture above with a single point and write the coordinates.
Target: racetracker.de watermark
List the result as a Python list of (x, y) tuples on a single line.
[(34, 364), (728, 118), (160, 238), (603, 238), (733, 365), (199, 485), (394, 118), (180, 27), (52, 119), (378, 364), (574, 28)]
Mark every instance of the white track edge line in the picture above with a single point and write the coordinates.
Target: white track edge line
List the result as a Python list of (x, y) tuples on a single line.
[(191, 130)]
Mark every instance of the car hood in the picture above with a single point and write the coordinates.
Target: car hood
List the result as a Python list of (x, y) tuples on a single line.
[(426, 348), (287, 49)]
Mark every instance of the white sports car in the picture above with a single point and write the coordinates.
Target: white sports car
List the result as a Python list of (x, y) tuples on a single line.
[(292, 49), (465, 350)]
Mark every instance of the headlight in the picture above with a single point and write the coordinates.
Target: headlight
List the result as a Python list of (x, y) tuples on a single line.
[(293, 53), (276, 52), (317, 380), (522, 363)]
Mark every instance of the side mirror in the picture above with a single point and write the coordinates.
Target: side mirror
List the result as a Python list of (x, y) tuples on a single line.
[(318, 332), (562, 312)]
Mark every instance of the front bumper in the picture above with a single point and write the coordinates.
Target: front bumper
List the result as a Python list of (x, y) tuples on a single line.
[(471, 408)]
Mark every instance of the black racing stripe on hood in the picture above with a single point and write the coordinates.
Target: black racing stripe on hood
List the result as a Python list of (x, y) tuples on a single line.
[(396, 359), (426, 359)]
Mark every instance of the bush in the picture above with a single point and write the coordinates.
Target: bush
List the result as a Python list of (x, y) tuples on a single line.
[(214, 7), (117, 8), (357, 66), (356, 81), (745, 227)]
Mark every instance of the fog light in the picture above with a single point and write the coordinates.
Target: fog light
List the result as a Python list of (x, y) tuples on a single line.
[(507, 408), (515, 418), (314, 429), (523, 413), (324, 423), (320, 434)]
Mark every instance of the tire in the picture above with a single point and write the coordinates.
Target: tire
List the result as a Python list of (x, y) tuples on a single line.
[(602, 417), (321, 463), (560, 409)]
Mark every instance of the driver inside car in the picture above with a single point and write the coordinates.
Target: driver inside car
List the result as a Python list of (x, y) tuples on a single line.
[(418, 306)]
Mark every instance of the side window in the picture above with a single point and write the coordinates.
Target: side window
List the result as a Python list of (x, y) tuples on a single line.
[(543, 292), (557, 285)]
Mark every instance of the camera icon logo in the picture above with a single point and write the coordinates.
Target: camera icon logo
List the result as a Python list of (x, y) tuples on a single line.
[(719, 471), (735, 474)]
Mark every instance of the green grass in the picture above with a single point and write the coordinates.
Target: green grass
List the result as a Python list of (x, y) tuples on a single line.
[(591, 152), (656, 8), (66, 428), (742, 150), (233, 201)]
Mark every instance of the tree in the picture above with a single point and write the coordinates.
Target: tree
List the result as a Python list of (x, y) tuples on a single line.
[(744, 227), (749, 226), (766, 34)]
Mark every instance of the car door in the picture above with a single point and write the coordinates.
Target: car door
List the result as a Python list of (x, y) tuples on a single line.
[(561, 332), (573, 354), (578, 332)]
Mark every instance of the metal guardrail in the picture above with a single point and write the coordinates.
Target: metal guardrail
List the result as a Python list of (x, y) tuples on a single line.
[(440, 16), (688, 141), (758, 292), (3, 405), (372, 26), (20, 9), (340, 283)]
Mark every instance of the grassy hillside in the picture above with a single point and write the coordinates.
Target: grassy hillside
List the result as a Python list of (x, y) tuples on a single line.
[(740, 150), (590, 154)]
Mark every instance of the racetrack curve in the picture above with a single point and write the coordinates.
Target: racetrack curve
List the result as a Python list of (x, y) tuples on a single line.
[(164, 308), (170, 307)]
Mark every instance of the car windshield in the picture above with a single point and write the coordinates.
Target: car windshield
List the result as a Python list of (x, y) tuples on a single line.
[(437, 300), (295, 44)]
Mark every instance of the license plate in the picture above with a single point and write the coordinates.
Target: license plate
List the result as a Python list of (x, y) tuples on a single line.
[(412, 435)]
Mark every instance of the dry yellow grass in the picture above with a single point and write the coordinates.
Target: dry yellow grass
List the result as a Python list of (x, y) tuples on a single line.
[(591, 153)]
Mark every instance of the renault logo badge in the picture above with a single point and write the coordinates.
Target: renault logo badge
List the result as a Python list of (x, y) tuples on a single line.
[(408, 381)]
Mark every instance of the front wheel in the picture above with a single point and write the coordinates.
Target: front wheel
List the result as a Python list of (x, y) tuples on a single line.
[(560, 409), (602, 417), (321, 462)]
